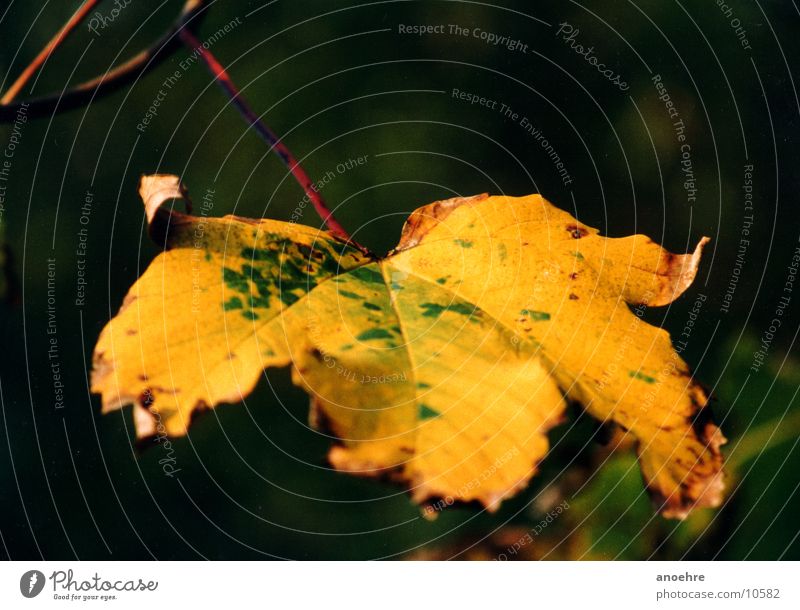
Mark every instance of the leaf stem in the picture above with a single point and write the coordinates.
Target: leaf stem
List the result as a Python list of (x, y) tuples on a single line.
[(48, 49), (223, 79)]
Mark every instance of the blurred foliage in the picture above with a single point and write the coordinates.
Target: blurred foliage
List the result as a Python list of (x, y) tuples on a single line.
[(610, 516), (337, 81)]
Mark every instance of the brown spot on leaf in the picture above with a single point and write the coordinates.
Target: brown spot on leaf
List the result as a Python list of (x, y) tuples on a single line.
[(576, 232), (321, 421), (200, 408), (420, 223), (702, 481), (146, 398)]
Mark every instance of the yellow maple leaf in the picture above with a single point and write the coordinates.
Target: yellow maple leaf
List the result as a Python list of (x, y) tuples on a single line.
[(442, 365)]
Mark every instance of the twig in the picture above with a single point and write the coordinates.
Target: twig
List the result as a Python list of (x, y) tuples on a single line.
[(112, 80), (138, 65), (48, 49), (224, 80)]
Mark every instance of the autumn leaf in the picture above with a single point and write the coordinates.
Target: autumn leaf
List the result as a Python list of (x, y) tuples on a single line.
[(442, 365)]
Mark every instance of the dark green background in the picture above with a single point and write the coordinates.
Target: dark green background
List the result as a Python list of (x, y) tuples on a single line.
[(337, 81)]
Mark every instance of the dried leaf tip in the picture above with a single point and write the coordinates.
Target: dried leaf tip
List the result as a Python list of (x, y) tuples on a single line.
[(158, 188)]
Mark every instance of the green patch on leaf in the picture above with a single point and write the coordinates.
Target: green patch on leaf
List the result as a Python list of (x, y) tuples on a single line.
[(536, 316), (259, 302), (425, 412), (434, 310), (642, 376), (372, 306), (289, 298), (232, 303), (463, 243), (235, 280), (261, 254), (365, 274), (374, 333), (250, 272)]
